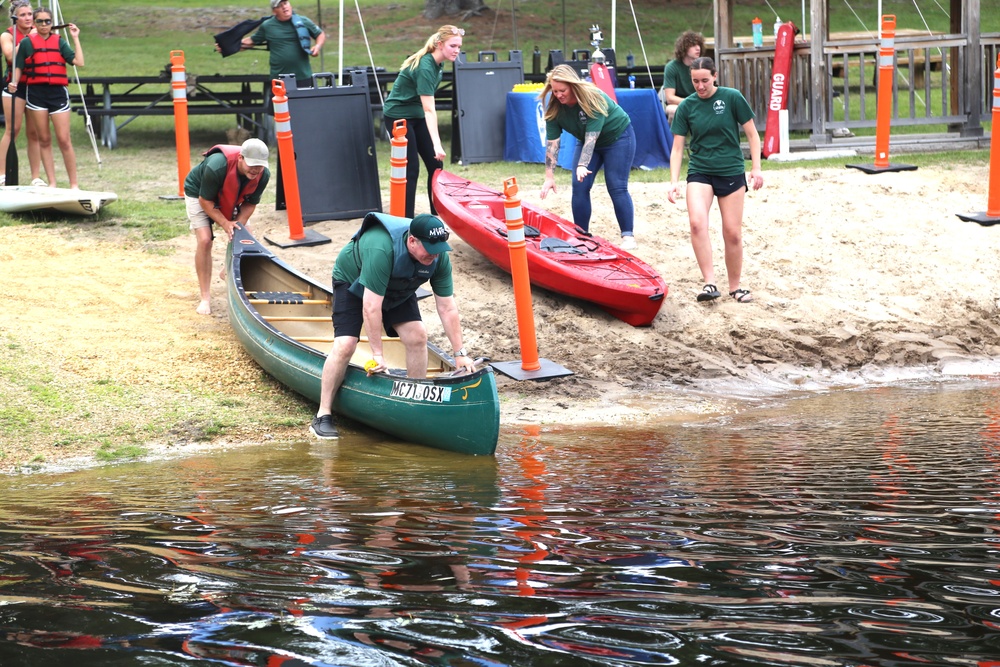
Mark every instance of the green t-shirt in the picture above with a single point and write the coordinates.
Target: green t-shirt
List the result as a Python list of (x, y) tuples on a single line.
[(714, 128), (571, 118), (410, 85), (677, 75), (206, 180), (287, 55), (373, 260)]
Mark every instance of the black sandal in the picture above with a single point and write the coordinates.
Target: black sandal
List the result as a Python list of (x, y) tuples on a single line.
[(741, 295), (708, 293)]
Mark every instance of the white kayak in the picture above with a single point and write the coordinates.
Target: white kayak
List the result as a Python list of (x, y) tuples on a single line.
[(24, 198)]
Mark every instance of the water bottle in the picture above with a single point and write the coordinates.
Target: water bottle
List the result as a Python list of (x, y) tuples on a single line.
[(630, 60), (758, 33), (631, 80), (777, 24)]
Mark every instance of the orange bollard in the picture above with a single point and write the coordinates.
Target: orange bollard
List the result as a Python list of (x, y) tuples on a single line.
[(397, 169), (519, 272), (530, 367), (993, 202), (178, 90), (886, 77), (992, 214), (883, 114), (286, 150), (297, 236)]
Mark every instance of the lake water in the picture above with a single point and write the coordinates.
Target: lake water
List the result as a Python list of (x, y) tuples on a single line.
[(856, 527)]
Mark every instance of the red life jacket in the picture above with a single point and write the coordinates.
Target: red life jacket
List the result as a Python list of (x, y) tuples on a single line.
[(17, 40), (231, 197), (46, 65)]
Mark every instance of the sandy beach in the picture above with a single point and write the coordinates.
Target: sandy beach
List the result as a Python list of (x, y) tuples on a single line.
[(855, 277)]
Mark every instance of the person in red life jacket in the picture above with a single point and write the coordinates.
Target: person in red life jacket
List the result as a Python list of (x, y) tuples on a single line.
[(22, 16), (41, 59), (224, 189)]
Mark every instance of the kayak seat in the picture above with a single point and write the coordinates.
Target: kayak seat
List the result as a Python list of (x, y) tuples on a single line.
[(552, 244), (529, 232)]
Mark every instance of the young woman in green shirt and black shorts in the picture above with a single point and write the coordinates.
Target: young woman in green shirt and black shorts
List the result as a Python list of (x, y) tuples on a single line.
[(712, 116)]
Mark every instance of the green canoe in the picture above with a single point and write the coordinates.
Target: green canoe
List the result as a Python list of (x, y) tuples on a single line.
[(283, 319)]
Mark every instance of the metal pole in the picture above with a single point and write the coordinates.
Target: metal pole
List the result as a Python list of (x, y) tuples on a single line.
[(340, 47), (614, 24), (564, 26), (319, 22)]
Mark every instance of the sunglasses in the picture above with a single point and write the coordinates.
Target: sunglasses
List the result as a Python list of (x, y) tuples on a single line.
[(458, 31), (43, 21), (435, 234)]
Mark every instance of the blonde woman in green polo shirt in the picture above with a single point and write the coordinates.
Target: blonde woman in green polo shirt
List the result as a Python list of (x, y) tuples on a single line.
[(412, 100)]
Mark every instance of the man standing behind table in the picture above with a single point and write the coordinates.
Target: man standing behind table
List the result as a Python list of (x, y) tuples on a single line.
[(288, 37), (225, 190), (677, 74), (375, 280)]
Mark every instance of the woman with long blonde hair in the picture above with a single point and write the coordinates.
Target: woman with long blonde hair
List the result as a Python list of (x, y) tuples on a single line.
[(605, 139), (412, 100)]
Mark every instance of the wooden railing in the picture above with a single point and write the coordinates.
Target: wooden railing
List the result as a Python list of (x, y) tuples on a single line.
[(928, 87)]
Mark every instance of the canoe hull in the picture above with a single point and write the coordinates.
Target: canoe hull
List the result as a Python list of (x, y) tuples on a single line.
[(25, 198), (460, 414), (593, 270)]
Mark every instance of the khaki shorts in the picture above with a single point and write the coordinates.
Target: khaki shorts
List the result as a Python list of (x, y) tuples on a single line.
[(196, 214)]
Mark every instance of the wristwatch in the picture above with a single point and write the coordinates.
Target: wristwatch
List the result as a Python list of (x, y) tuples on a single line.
[(461, 353)]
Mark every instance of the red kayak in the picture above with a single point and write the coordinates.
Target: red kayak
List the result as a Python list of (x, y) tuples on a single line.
[(561, 256)]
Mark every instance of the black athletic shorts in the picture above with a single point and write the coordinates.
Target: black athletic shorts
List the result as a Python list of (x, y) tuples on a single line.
[(54, 99), (721, 185), (349, 318)]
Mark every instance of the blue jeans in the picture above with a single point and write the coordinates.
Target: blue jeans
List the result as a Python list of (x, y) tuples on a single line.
[(617, 162)]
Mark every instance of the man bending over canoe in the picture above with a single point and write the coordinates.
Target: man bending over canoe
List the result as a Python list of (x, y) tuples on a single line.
[(375, 280), (225, 190)]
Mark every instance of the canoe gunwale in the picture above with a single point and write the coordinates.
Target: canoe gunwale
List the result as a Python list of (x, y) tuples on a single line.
[(468, 424)]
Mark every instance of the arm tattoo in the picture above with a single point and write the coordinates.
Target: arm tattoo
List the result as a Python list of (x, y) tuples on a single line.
[(551, 154), (589, 142)]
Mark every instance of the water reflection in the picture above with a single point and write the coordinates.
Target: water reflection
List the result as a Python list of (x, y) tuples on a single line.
[(858, 527)]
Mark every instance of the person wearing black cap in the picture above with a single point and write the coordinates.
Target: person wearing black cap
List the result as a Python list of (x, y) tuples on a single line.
[(375, 280)]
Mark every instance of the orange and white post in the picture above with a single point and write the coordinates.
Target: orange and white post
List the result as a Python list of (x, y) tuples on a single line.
[(993, 201), (886, 77), (397, 169), (286, 150), (517, 247), (178, 90), (992, 214)]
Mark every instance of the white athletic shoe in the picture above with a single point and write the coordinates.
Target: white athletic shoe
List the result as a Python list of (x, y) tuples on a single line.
[(3, 179), (628, 243), (39, 183)]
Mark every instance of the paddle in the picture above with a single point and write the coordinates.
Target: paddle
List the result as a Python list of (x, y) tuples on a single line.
[(12, 167)]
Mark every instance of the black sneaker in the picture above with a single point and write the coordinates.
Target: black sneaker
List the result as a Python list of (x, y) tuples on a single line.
[(324, 428)]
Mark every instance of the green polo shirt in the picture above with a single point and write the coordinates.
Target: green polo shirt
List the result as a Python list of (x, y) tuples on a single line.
[(287, 55), (713, 125), (677, 75), (572, 119), (372, 261), (410, 85)]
